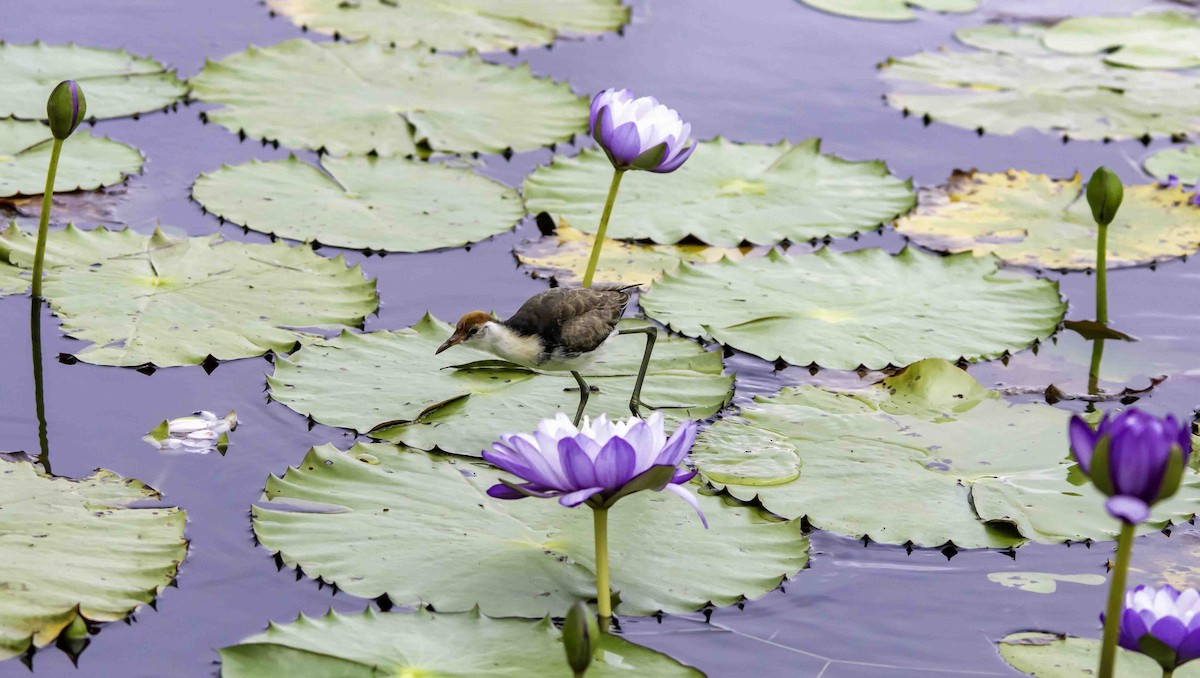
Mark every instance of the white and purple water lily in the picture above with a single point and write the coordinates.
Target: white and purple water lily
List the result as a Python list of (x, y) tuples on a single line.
[(639, 133), (1163, 624), (597, 463)]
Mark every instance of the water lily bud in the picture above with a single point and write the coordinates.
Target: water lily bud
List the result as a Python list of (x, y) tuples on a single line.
[(66, 108), (1104, 194), (580, 634)]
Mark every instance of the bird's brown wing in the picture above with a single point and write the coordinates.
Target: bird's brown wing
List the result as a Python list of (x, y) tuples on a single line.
[(572, 319)]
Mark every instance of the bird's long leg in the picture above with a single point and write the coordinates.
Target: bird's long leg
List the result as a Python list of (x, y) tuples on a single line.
[(651, 332), (584, 390)]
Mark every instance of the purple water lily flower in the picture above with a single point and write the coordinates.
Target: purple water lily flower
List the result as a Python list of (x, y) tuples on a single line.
[(1163, 624), (639, 133), (1171, 181), (1132, 459), (597, 463)]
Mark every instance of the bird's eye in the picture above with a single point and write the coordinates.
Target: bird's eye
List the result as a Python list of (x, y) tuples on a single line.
[(474, 331)]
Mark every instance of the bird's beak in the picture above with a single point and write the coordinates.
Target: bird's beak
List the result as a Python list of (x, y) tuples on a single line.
[(455, 338)]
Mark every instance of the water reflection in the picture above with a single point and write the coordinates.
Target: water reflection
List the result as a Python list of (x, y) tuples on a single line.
[(39, 395)]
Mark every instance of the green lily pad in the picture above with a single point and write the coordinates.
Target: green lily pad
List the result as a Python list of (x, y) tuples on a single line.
[(156, 300), (11, 280), (1043, 582), (402, 102), (890, 10), (459, 401), (925, 457), (1147, 40), (726, 194), (376, 644), (1032, 220), (362, 202), (863, 308), (420, 528), (455, 25), (1184, 163), (1076, 97), (79, 548), (87, 162), (1020, 39), (116, 83), (1046, 655)]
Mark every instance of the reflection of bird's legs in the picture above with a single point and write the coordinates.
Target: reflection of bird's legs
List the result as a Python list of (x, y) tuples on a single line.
[(584, 390), (635, 402)]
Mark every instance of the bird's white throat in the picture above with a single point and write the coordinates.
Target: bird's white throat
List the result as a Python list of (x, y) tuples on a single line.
[(508, 345)]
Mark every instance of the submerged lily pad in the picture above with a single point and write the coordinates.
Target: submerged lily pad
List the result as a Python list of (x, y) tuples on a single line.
[(116, 83), (362, 202), (890, 10), (1043, 582), (455, 25), (200, 433), (726, 194), (1147, 40), (1047, 655), (375, 644), (1032, 220), (1077, 97), (389, 101), (421, 529), (79, 548), (863, 308), (925, 457), (1184, 163), (156, 300), (87, 162), (456, 403)]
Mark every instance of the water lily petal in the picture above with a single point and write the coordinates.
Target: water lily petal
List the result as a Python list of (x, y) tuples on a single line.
[(1129, 509), (615, 465), (1083, 442), (579, 468), (690, 499), (576, 498)]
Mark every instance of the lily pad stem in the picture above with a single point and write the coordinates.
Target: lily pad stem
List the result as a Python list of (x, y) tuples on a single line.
[(44, 224), (603, 599), (595, 257), (1102, 276), (1116, 594)]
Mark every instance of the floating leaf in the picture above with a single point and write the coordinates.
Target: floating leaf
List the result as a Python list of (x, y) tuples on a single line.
[(455, 25), (868, 308), (1147, 40), (78, 548), (1047, 655), (164, 301), (1021, 40), (1077, 97), (373, 203), (890, 10), (927, 456), (455, 404), (199, 433), (11, 281), (361, 97), (421, 529), (726, 194), (117, 84), (1184, 163), (87, 162), (1032, 220), (1043, 582)]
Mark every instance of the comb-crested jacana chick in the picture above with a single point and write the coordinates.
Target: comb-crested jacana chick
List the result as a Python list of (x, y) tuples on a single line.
[(559, 330)]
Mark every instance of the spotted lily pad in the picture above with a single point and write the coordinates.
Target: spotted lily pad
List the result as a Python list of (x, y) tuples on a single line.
[(156, 300), (455, 403), (1032, 220), (890, 10), (863, 308), (455, 25), (1076, 97), (79, 549), (87, 162), (420, 528), (1147, 40), (1046, 655), (1184, 163), (726, 194), (1043, 582), (362, 202), (117, 84), (390, 101), (924, 457)]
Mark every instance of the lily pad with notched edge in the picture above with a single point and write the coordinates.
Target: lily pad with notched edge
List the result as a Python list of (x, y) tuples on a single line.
[(79, 548), (867, 307), (726, 194), (115, 82), (87, 162), (162, 301), (391, 385), (890, 10), (924, 457), (1032, 220), (420, 528), (386, 204), (361, 97), (1184, 163), (1146, 40), (1046, 655), (455, 25)]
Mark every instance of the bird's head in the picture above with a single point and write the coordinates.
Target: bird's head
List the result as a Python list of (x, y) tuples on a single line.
[(470, 328)]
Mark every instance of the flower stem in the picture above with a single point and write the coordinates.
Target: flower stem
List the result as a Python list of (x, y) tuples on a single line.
[(43, 225), (1116, 594), (1094, 370), (603, 600), (595, 258), (1102, 276)]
